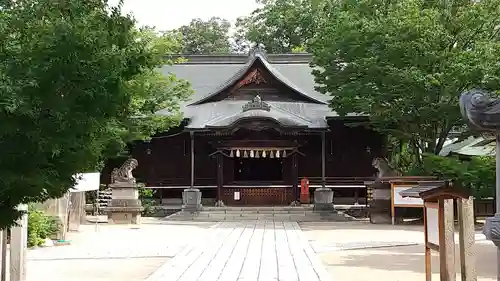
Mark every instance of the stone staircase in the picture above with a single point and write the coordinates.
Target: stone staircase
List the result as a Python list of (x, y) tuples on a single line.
[(297, 214)]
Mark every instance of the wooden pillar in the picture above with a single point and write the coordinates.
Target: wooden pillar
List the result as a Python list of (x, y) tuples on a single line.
[(323, 160), (467, 238), (447, 241), (295, 177), (220, 175), (192, 159)]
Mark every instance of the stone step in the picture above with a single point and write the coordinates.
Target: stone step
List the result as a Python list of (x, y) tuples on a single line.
[(306, 216)]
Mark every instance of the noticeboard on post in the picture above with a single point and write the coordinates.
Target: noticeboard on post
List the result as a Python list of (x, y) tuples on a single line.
[(86, 182)]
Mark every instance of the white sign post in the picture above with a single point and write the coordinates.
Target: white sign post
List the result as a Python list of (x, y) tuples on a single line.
[(86, 182), (19, 246)]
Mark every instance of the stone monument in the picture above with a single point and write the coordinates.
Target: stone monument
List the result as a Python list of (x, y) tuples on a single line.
[(191, 200), (323, 200), (125, 206), (481, 111)]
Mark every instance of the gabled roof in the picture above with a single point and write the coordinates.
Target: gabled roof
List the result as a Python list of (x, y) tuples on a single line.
[(211, 74)]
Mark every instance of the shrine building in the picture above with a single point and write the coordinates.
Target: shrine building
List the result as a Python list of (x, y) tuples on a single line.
[(254, 127)]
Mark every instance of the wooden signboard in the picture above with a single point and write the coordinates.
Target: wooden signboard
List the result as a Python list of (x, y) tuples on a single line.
[(439, 228), (398, 201)]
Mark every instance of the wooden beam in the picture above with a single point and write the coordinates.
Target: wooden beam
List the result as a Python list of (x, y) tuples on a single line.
[(192, 159), (323, 160)]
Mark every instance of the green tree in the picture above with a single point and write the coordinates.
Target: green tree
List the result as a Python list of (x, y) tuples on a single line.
[(405, 62), (76, 82), (476, 173), (280, 26), (205, 37)]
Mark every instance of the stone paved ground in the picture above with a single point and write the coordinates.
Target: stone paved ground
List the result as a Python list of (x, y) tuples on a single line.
[(113, 252), (361, 252), (247, 251)]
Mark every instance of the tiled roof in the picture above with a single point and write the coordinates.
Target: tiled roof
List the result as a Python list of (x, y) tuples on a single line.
[(210, 75)]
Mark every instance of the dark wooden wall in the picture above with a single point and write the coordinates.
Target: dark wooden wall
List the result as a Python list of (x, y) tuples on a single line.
[(165, 160)]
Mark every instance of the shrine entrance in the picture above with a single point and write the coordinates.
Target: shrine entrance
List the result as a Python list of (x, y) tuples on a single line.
[(258, 170)]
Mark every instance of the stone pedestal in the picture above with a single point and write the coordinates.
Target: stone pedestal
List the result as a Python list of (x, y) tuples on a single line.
[(191, 200), (492, 231), (323, 200), (125, 206), (380, 205)]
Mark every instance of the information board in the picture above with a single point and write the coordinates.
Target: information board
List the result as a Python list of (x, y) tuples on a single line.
[(432, 221), (400, 201)]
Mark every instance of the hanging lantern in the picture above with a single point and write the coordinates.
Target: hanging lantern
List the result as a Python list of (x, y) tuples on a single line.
[(271, 155), (237, 153), (245, 155), (277, 154), (263, 154), (231, 154), (251, 154), (257, 155), (284, 153)]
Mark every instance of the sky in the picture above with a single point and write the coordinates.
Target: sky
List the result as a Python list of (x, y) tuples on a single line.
[(168, 14)]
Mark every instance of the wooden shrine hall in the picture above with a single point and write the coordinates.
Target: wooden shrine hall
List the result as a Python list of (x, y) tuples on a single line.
[(253, 129)]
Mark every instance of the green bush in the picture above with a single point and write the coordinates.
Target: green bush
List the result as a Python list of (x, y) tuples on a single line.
[(147, 201), (40, 227), (478, 173)]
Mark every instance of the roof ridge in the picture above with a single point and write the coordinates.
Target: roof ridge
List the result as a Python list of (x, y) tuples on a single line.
[(287, 58)]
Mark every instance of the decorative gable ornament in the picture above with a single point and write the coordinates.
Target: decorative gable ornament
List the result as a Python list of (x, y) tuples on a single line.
[(256, 104)]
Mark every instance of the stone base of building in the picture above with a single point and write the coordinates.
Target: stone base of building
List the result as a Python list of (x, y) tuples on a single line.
[(125, 216)]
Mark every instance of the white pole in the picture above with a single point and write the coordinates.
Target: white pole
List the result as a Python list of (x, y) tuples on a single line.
[(3, 272), (96, 202), (19, 246)]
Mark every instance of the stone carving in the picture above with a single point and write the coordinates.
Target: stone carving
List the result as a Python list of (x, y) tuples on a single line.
[(481, 110), (384, 169), (124, 173), (256, 103)]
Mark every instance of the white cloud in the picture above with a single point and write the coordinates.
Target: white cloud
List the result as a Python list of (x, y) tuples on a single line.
[(165, 14)]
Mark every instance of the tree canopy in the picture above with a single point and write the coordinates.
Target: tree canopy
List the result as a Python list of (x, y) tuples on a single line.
[(280, 26), (404, 63), (205, 37), (77, 81)]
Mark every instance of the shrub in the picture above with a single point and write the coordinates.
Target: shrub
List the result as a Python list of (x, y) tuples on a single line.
[(478, 173), (40, 227), (147, 201)]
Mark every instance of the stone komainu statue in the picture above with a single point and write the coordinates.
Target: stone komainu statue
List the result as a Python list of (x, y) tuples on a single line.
[(384, 170), (481, 110), (124, 173)]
